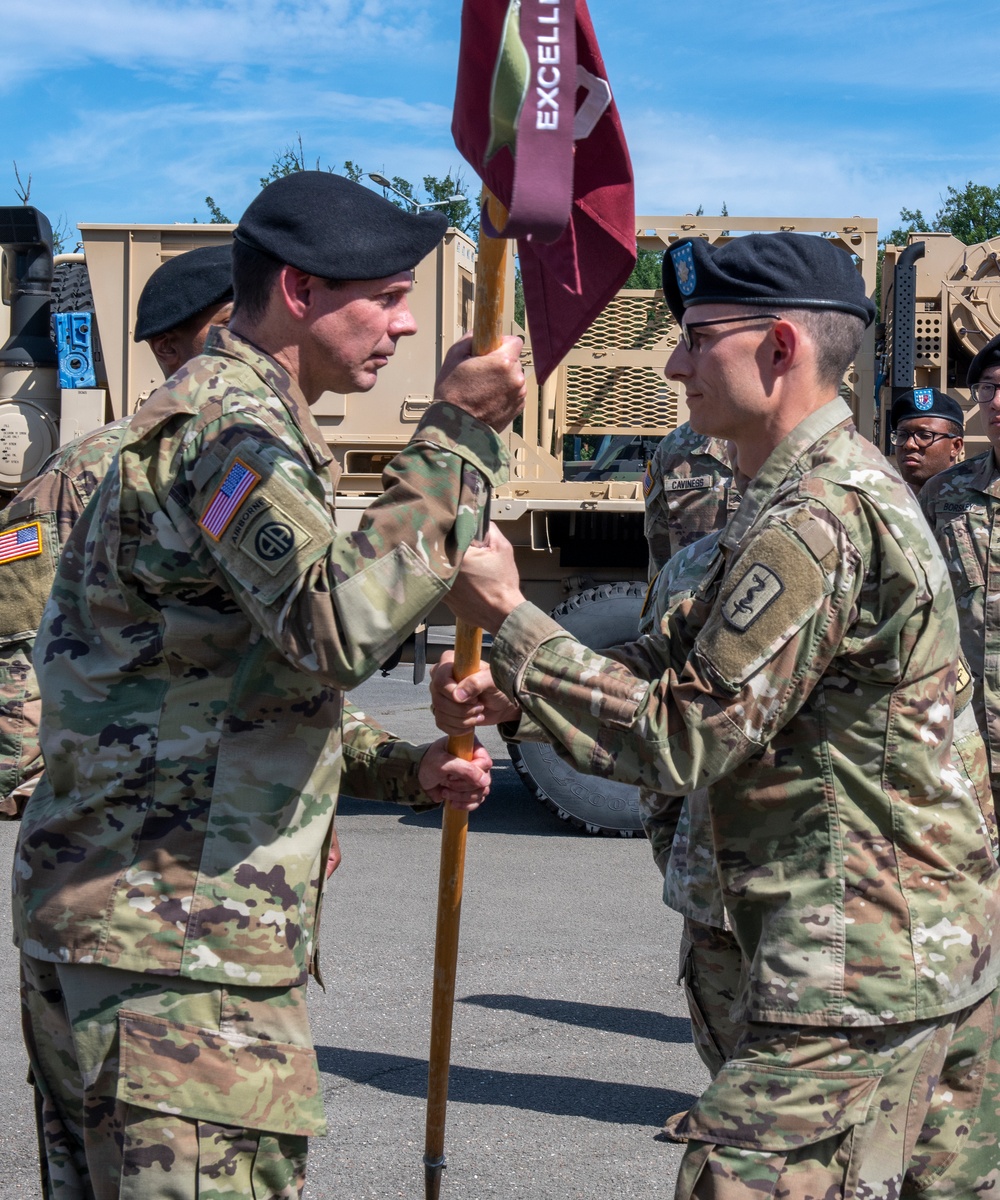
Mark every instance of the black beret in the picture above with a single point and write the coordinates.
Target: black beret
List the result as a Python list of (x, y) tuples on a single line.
[(769, 270), (182, 287), (925, 402), (989, 356), (332, 227)]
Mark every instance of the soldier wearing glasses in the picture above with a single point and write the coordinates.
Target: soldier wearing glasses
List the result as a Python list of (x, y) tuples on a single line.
[(961, 505), (811, 687), (927, 433)]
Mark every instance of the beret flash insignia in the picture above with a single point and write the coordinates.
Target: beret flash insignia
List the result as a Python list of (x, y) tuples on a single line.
[(683, 259)]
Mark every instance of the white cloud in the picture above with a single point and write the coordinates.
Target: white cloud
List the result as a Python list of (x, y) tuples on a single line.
[(190, 36), (681, 161), (157, 162)]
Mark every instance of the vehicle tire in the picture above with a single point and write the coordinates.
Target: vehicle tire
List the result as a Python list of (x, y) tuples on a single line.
[(600, 617), (71, 290)]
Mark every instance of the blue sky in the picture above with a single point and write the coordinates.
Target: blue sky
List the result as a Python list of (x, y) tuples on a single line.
[(135, 110)]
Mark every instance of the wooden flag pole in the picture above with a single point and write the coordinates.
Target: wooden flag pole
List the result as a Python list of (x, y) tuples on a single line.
[(487, 334)]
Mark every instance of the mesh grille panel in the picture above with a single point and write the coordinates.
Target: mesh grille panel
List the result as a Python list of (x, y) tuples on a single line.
[(619, 399), (632, 322)]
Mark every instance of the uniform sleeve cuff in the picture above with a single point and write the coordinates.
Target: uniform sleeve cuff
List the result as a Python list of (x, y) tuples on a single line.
[(399, 765), (454, 429), (524, 630)]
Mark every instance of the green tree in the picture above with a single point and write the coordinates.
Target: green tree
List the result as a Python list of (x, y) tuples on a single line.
[(461, 213), (971, 214), (217, 216), (647, 272), (911, 221)]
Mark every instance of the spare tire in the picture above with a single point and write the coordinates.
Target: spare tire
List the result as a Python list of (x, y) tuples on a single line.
[(71, 291), (600, 617)]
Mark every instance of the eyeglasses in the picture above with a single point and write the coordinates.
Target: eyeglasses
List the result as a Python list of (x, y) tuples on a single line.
[(983, 393), (923, 437), (686, 329)]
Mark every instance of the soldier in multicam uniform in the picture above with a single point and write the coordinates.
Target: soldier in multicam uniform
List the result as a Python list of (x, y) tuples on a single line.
[(710, 962), (688, 487), (181, 299), (961, 505), (690, 493), (928, 434), (815, 702), (205, 619)]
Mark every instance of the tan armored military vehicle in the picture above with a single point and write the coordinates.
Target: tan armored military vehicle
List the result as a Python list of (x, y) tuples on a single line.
[(940, 306), (579, 541)]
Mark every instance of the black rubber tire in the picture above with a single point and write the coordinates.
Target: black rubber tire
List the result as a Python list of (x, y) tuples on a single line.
[(600, 617), (71, 291)]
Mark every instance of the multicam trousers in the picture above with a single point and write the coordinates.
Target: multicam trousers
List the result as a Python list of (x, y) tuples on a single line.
[(710, 969), (159, 1088), (873, 1113)]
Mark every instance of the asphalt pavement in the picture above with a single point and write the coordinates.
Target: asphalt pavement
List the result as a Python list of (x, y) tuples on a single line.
[(571, 1043)]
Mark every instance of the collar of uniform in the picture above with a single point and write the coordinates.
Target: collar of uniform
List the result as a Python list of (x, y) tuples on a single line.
[(987, 475), (223, 341), (780, 464)]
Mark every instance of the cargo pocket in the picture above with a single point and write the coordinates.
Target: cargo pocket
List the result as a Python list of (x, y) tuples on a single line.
[(234, 1081), (756, 1125), (964, 564), (707, 1045)]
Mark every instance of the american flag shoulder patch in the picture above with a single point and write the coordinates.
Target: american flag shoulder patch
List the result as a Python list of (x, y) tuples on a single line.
[(239, 482), (647, 479), (22, 541)]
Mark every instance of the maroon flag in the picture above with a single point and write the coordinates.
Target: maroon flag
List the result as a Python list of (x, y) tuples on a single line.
[(535, 118)]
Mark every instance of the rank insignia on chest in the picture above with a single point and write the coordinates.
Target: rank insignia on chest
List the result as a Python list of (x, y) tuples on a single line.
[(755, 592), (239, 482), (20, 542)]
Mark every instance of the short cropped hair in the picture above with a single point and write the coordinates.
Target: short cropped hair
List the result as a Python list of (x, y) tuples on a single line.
[(838, 336), (254, 276)]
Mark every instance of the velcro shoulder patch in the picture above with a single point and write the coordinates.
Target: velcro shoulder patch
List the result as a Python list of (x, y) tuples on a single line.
[(269, 531), (27, 567), (770, 594)]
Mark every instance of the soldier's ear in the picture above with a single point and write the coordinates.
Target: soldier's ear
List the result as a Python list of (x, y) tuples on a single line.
[(166, 349), (786, 346)]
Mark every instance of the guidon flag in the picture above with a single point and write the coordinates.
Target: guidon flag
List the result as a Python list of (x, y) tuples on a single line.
[(535, 118)]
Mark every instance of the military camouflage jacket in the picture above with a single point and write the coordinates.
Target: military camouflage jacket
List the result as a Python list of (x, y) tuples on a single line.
[(962, 505), (679, 829), (33, 529), (816, 705), (689, 492), (205, 619)]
